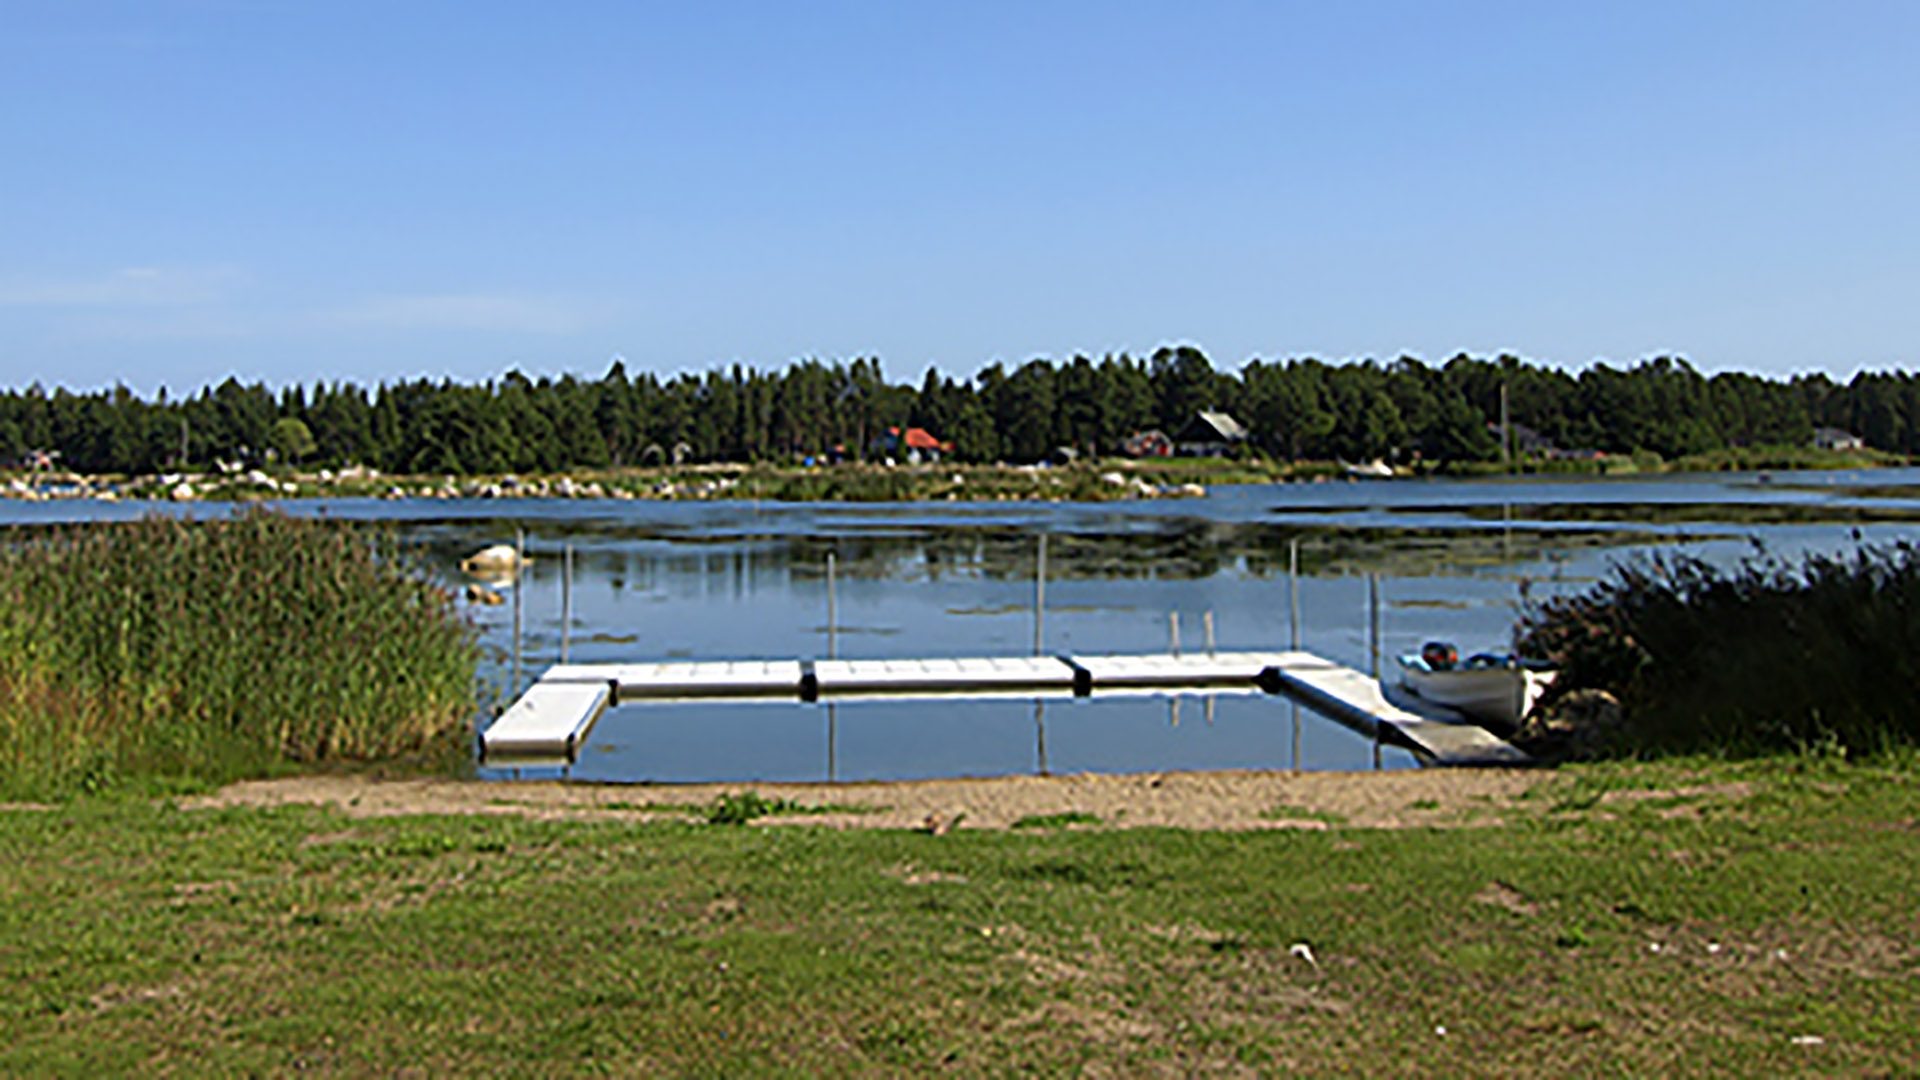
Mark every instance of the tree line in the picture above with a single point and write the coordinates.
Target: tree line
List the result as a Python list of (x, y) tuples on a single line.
[(1303, 408)]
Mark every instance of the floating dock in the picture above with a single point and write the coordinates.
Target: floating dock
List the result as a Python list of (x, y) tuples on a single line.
[(1359, 701), (550, 720), (553, 718)]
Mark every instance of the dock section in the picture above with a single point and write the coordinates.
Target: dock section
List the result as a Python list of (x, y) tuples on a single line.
[(1175, 671), (552, 719), (549, 721), (979, 675), (1358, 701), (688, 679)]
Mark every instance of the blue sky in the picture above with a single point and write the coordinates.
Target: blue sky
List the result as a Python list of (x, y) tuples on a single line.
[(295, 190)]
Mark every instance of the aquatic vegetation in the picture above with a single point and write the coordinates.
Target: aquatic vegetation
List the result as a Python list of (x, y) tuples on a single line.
[(200, 651), (1762, 657)]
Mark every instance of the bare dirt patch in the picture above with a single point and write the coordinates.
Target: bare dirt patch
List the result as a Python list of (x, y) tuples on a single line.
[(1501, 895), (1232, 800)]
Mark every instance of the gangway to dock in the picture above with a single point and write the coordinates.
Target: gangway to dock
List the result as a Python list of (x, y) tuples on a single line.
[(552, 719)]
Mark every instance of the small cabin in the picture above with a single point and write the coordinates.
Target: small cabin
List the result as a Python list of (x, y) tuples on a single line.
[(1833, 438), (914, 445), (1209, 434)]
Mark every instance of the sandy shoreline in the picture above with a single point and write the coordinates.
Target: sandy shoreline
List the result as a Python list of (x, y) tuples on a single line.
[(1200, 800)]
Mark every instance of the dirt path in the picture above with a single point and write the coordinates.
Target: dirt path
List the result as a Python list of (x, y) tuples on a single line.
[(1204, 800)]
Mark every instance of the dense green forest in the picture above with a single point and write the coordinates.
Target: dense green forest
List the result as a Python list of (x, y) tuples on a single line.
[(1403, 411)]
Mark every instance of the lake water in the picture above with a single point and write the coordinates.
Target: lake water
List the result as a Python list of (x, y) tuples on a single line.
[(656, 580)]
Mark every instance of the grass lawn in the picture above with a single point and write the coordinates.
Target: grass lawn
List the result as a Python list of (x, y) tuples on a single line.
[(1747, 919)]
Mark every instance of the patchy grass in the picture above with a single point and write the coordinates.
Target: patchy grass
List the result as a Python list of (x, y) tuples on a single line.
[(1062, 820), (1641, 919), (1289, 812)]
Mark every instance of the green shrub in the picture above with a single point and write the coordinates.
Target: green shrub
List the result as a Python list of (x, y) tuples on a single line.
[(1764, 657), (203, 651)]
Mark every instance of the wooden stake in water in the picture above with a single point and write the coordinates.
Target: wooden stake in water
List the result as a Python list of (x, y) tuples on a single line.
[(1206, 621), (1040, 598), (1296, 736), (1373, 620), (519, 581), (1173, 631), (1040, 733), (566, 602), (1293, 589), (833, 633), (833, 650)]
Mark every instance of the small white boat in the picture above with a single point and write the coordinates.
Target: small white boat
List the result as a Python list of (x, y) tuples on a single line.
[(1375, 469), (1500, 688)]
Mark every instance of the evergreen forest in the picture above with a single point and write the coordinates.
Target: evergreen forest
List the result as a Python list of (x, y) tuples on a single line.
[(1404, 411)]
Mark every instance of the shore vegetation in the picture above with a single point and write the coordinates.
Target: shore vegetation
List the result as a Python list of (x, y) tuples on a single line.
[(166, 651)]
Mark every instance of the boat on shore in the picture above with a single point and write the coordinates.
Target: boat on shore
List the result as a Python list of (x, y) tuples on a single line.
[(1497, 687)]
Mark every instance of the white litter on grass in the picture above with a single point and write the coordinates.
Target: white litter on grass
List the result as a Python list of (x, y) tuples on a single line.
[(1713, 948), (1808, 1040), (1779, 954), (1653, 946), (1305, 952), (1440, 1030)]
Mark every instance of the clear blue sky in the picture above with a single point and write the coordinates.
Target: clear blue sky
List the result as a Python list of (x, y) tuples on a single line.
[(295, 190)]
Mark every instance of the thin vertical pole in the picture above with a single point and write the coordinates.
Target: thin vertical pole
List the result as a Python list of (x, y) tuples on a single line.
[(1296, 736), (1293, 588), (833, 632), (1206, 621), (519, 589), (833, 650), (1173, 710), (1209, 700), (1040, 597), (1040, 732), (833, 738), (1373, 620), (1173, 631), (566, 602)]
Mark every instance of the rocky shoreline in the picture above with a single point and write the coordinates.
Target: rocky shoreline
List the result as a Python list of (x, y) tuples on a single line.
[(834, 484)]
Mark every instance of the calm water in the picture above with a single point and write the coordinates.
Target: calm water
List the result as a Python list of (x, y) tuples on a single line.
[(732, 580)]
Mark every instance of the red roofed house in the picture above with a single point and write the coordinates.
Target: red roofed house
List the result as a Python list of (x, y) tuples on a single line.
[(914, 444)]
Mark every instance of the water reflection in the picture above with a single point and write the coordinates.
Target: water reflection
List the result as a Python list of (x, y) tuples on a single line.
[(714, 580)]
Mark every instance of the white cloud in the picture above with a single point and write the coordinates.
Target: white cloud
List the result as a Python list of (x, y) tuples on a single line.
[(127, 287), (495, 312)]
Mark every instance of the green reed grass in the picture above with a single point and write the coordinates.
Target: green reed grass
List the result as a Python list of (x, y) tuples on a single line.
[(203, 651), (1763, 657)]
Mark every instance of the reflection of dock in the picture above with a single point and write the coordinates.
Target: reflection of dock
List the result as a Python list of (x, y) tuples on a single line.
[(553, 717)]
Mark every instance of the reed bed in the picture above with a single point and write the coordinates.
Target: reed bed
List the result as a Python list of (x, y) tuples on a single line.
[(203, 651), (1767, 656)]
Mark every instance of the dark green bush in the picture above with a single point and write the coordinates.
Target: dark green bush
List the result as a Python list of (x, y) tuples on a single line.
[(1762, 657)]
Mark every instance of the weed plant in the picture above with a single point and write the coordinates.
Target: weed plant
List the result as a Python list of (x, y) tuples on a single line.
[(1767, 656), (202, 651)]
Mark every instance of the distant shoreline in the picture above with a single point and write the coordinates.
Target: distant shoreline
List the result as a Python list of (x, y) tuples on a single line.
[(1106, 480)]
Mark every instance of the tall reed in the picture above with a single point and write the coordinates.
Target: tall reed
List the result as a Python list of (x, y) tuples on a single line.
[(1765, 656), (210, 650)]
